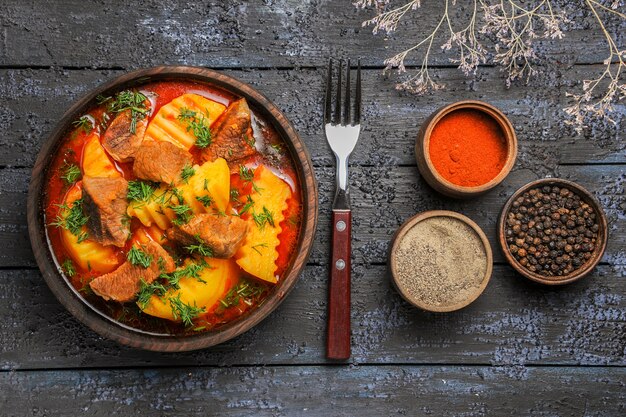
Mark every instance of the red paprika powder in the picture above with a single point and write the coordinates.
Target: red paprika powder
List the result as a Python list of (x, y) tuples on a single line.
[(467, 147)]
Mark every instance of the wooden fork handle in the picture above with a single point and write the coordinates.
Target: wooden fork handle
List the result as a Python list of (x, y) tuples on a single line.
[(338, 338)]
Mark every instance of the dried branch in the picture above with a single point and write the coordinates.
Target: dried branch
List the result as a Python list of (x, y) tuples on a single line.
[(513, 26)]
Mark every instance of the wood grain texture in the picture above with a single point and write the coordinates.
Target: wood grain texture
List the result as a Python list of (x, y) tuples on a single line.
[(315, 391), (34, 101), (513, 323), (340, 273), (50, 55), (383, 197), (238, 33)]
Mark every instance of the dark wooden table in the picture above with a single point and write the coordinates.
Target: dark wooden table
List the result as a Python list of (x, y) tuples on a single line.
[(520, 349)]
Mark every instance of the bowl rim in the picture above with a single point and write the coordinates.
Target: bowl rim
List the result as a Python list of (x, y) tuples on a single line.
[(408, 225), (602, 232), (509, 135), (107, 326)]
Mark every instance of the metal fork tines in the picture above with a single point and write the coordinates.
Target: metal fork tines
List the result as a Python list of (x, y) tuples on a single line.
[(342, 127)]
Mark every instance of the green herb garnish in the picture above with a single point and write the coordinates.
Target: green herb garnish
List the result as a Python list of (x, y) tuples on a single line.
[(68, 268), (140, 190), (245, 290), (200, 248), (249, 140), (264, 218), (146, 291), (247, 175), (185, 311), (72, 219), (205, 200), (260, 245), (70, 173), (190, 271), (187, 173), (138, 257), (85, 123), (183, 214), (246, 206), (127, 100), (198, 125)]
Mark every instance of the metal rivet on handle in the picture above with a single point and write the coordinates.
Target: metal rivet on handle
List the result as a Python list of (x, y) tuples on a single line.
[(341, 226), (340, 264)]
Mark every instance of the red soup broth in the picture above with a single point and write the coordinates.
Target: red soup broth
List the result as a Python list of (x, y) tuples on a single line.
[(271, 151)]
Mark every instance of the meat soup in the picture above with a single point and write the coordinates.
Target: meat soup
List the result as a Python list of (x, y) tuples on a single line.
[(174, 208)]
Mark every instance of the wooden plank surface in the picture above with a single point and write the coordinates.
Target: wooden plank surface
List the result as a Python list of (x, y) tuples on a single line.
[(110, 34), (514, 323), (308, 391), (34, 100), (383, 197), (520, 349)]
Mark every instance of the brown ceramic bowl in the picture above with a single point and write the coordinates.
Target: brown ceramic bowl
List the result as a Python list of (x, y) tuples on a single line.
[(107, 326), (426, 167), (400, 234), (587, 267)]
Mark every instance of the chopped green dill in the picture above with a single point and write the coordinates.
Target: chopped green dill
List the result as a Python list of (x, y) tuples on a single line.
[(264, 218), (198, 125), (205, 200), (187, 173), (140, 190), (72, 219), (219, 213), (133, 101), (86, 289), (277, 147), (206, 184), (68, 268), (70, 173), (100, 99), (246, 174), (293, 220), (186, 312), (245, 290), (234, 195), (260, 245), (199, 328), (249, 140), (84, 122), (161, 264), (146, 291), (200, 248), (104, 123), (230, 152), (183, 214), (246, 206), (138, 257), (190, 271)]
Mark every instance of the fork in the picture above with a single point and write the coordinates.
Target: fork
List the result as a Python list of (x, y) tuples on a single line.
[(342, 133)]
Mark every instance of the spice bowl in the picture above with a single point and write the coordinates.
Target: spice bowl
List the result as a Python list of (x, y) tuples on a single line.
[(552, 231), (440, 261), (466, 148)]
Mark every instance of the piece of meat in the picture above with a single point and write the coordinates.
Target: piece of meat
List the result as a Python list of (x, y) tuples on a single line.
[(223, 234), (106, 204), (124, 283), (119, 141), (160, 161), (232, 134)]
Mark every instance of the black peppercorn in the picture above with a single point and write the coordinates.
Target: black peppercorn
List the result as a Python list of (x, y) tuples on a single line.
[(551, 231)]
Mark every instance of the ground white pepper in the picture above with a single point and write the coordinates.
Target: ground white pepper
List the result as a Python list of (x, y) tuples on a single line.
[(440, 262)]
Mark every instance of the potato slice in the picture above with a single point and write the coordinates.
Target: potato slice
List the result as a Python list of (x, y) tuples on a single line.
[(167, 126), (96, 162), (194, 292), (258, 254)]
